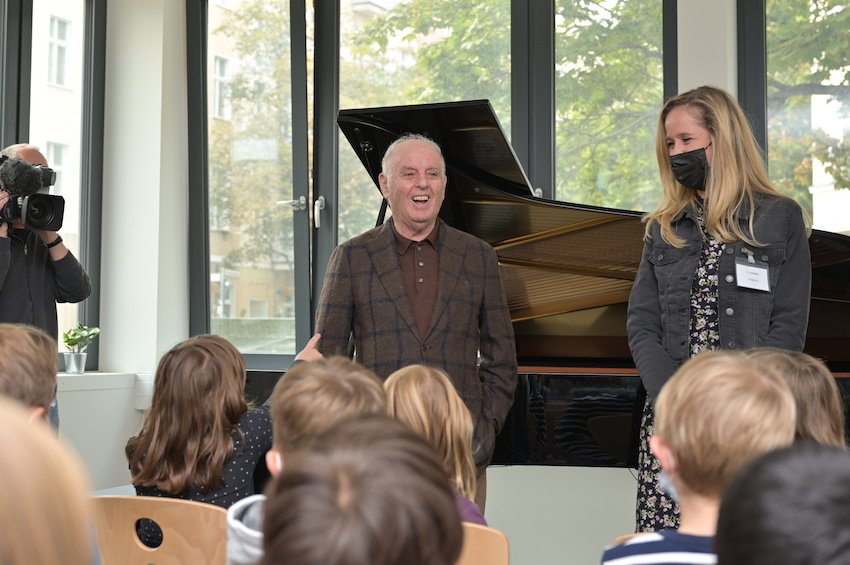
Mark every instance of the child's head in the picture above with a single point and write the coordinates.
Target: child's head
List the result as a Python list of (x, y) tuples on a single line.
[(28, 370), (204, 375), (43, 494), (787, 507), (820, 416), (198, 400), (425, 399), (311, 397), (716, 413), (369, 490)]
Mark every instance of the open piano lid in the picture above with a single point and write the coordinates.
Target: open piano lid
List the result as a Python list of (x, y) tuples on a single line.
[(567, 268)]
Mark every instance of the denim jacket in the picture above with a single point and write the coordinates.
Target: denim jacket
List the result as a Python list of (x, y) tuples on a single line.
[(659, 304)]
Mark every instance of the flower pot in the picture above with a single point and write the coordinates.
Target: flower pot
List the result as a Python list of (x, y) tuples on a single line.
[(75, 362)]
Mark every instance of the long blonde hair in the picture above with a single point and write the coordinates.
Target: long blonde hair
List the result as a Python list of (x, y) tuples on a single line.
[(425, 399), (736, 176), (43, 495)]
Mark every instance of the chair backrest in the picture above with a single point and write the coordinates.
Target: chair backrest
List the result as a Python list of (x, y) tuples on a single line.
[(483, 546), (192, 532)]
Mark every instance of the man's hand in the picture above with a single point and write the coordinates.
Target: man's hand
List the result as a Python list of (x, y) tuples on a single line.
[(310, 353)]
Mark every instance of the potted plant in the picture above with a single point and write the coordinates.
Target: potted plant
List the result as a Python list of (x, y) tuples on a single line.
[(77, 341)]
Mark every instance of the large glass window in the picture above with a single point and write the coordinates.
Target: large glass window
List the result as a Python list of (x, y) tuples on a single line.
[(396, 52), (608, 91), (56, 111), (250, 170), (57, 67), (808, 106)]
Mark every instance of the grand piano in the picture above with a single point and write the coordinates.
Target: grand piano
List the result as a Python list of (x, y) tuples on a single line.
[(567, 270)]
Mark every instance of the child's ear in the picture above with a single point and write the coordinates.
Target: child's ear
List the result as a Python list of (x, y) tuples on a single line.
[(274, 461), (662, 451)]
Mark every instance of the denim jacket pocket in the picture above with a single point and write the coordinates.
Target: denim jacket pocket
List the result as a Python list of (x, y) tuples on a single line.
[(664, 259)]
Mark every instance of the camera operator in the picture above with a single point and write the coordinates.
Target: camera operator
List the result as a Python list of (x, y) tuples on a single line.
[(36, 269)]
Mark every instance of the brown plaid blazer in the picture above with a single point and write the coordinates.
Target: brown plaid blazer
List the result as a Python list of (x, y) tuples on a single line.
[(363, 296)]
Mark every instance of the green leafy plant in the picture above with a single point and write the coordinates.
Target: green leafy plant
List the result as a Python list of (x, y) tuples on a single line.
[(78, 339)]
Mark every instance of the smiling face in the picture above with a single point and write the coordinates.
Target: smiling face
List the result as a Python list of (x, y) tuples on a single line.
[(414, 184), (685, 132)]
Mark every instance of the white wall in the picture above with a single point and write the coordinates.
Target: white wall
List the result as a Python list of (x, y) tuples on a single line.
[(707, 44), (144, 285)]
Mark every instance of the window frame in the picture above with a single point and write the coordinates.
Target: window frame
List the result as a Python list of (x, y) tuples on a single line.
[(15, 76)]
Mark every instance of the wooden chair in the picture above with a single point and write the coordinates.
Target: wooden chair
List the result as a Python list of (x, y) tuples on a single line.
[(483, 546), (192, 532)]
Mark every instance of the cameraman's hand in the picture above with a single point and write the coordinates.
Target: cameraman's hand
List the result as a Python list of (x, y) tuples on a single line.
[(4, 227)]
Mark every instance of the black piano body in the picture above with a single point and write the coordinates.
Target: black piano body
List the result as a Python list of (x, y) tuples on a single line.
[(567, 270)]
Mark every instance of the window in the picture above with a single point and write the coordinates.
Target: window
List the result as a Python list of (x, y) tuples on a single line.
[(407, 52), (609, 87), (221, 98), (57, 67), (56, 156), (56, 114), (251, 239), (808, 106)]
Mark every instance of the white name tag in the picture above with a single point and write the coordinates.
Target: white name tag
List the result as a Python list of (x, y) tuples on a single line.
[(752, 274)]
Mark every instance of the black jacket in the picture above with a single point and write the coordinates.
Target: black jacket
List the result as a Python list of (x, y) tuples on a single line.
[(659, 305)]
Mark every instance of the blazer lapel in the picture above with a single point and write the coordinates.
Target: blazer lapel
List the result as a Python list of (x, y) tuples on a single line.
[(384, 257), (451, 263)]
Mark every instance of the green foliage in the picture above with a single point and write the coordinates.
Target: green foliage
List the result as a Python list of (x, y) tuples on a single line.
[(79, 338), (251, 153), (809, 54), (609, 90)]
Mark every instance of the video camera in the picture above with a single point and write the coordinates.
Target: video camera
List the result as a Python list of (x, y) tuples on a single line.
[(23, 181)]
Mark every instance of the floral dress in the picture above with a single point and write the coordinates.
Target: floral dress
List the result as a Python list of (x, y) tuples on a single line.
[(656, 510)]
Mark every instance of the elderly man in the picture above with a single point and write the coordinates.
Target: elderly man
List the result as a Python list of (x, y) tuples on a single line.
[(416, 290)]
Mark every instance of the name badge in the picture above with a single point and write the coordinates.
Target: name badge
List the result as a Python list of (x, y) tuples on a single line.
[(752, 274)]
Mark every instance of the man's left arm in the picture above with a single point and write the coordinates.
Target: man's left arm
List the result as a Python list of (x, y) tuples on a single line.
[(71, 283), (497, 346)]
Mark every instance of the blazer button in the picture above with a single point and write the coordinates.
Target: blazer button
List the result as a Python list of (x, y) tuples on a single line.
[(731, 345), (659, 257), (730, 311), (764, 257), (730, 278), (729, 250)]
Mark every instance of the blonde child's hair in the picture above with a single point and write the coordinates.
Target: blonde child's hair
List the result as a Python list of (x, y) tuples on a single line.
[(424, 398), (44, 491), (719, 411)]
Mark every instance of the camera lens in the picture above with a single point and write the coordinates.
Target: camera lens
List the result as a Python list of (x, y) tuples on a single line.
[(44, 212), (37, 212)]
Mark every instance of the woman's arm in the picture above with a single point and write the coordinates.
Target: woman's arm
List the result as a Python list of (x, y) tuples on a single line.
[(646, 339)]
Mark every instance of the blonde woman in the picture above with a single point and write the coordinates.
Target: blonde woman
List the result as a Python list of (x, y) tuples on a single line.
[(424, 398), (820, 416), (726, 261), (44, 515)]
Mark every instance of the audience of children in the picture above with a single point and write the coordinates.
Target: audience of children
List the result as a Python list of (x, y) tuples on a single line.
[(306, 401), (28, 368), (716, 413), (425, 399), (199, 440), (44, 513), (361, 486), (370, 490), (820, 412), (788, 507)]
